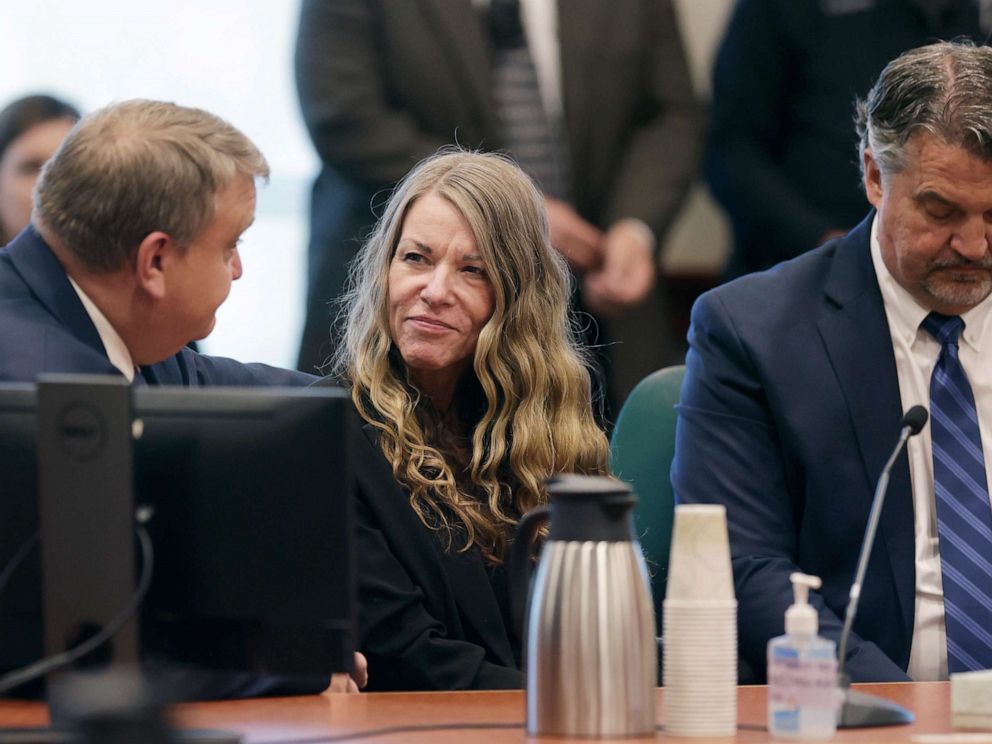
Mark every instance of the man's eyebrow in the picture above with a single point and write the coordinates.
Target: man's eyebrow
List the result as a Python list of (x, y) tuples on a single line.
[(930, 195)]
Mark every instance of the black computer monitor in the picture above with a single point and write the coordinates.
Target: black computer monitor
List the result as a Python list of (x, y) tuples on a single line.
[(249, 491)]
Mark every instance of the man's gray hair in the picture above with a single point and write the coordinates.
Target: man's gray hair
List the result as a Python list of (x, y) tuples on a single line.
[(136, 167), (944, 89)]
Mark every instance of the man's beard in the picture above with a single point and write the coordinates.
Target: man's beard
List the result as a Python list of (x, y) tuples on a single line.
[(958, 292)]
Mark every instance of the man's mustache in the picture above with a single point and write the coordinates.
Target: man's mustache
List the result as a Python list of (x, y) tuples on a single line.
[(959, 262)]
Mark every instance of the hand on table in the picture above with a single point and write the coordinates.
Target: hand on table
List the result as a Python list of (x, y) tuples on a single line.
[(353, 682)]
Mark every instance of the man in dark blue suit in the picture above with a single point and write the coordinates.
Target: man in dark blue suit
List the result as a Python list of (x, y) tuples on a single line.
[(131, 250), (797, 379), (132, 247)]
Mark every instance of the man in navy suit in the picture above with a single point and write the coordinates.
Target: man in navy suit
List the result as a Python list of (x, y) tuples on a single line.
[(797, 379), (133, 246)]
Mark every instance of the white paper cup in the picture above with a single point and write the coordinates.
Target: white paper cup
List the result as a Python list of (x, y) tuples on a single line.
[(700, 667), (699, 563)]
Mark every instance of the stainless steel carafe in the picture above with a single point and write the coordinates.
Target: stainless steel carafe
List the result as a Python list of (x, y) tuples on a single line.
[(591, 653)]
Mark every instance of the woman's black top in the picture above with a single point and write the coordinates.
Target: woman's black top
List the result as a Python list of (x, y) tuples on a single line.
[(429, 617)]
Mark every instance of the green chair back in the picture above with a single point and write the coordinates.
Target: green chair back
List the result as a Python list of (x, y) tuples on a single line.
[(641, 451)]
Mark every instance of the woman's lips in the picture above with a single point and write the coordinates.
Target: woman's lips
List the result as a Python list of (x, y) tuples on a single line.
[(430, 324)]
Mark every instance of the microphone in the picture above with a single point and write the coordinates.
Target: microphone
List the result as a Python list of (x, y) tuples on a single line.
[(915, 419), (859, 709)]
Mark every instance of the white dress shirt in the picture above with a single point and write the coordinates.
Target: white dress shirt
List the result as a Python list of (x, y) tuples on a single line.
[(117, 351), (916, 353)]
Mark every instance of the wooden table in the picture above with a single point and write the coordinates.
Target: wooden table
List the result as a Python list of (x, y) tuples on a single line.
[(305, 718)]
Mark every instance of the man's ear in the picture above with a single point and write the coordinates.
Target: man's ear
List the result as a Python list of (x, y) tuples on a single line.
[(873, 178), (152, 261)]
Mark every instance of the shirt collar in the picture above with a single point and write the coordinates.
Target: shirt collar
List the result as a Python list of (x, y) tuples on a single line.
[(117, 351), (906, 314)]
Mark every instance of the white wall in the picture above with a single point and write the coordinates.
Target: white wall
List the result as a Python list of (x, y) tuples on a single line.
[(231, 57)]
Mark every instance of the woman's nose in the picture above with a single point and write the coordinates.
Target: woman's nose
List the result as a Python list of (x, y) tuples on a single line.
[(438, 286)]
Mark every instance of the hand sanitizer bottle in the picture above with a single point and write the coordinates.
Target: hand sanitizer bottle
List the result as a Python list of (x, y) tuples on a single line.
[(802, 672)]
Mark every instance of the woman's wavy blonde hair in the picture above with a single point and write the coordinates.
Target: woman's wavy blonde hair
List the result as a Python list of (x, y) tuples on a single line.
[(537, 417)]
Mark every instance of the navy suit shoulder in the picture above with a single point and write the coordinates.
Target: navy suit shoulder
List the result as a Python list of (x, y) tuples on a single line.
[(428, 616), (193, 369), (45, 328), (789, 406)]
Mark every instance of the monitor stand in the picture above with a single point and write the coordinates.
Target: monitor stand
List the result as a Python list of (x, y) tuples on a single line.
[(111, 707), (86, 513)]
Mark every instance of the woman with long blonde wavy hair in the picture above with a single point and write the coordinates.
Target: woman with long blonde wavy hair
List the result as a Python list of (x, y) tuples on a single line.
[(463, 366)]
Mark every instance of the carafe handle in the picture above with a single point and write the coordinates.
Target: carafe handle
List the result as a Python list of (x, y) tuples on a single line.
[(520, 563)]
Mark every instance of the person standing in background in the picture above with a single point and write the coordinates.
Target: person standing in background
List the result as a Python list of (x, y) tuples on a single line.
[(780, 157), (31, 129), (592, 99)]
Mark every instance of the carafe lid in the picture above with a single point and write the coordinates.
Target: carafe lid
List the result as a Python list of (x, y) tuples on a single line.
[(590, 507), (570, 484)]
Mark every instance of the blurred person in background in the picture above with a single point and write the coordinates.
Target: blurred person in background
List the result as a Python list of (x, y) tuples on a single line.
[(31, 129), (593, 100), (781, 152)]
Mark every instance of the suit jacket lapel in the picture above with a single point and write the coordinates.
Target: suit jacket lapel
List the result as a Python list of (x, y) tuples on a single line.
[(41, 271), (857, 339), (461, 35)]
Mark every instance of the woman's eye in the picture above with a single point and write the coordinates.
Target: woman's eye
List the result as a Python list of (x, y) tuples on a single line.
[(30, 167), (412, 257), (477, 270)]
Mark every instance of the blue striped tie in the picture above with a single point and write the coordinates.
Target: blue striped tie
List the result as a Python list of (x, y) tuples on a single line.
[(964, 516)]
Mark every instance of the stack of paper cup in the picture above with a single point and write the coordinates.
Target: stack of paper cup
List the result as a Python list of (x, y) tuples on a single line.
[(700, 626)]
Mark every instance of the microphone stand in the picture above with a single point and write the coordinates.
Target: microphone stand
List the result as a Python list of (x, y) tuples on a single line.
[(859, 709)]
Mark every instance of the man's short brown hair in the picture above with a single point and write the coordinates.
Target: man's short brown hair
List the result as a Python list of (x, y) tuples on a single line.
[(135, 167)]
